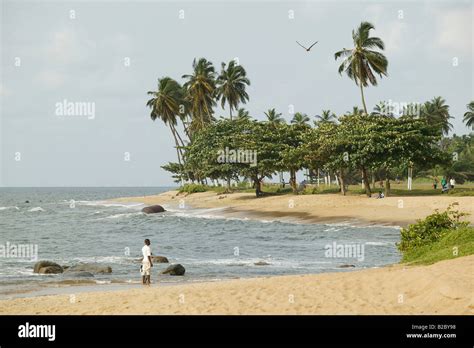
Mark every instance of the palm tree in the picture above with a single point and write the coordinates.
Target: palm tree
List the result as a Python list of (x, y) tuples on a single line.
[(200, 91), (231, 85), (165, 104), (273, 117), (356, 111), (469, 115), (436, 112), (382, 109), (243, 114), (362, 61), (300, 118), (326, 117)]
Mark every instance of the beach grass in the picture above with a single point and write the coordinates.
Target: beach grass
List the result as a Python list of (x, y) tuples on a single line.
[(455, 243)]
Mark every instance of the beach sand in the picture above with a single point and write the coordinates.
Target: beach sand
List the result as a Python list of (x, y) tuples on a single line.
[(324, 208), (446, 287)]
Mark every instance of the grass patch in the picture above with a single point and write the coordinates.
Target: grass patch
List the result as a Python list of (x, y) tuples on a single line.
[(460, 240)]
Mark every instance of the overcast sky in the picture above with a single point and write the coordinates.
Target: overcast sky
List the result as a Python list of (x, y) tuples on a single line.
[(50, 54)]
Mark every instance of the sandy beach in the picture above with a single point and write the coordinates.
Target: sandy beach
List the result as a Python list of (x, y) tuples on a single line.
[(397, 289), (325, 208)]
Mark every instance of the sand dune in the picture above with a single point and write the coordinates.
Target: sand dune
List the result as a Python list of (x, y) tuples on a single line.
[(446, 287)]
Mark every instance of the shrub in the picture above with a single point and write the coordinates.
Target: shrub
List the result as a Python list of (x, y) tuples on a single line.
[(192, 188), (430, 229)]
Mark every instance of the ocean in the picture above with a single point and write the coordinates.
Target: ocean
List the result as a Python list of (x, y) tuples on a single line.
[(78, 225)]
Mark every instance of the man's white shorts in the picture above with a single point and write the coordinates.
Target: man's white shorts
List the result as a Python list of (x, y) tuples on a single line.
[(145, 269)]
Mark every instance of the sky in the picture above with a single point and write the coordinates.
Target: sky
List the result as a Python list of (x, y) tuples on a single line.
[(108, 54)]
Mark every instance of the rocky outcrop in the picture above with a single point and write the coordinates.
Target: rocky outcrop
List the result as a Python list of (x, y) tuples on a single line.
[(175, 270), (261, 263), (47, 267), (346, 266), (153, 209), (93, 268), (159, 259)]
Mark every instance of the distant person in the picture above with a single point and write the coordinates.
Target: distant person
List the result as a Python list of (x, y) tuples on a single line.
[(444, 185), (452, 182), (435, 183), (146, 263), (380, 195)]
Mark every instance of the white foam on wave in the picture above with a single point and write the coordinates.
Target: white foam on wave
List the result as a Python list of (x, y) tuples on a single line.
[(123, 215), (378, 243), (108, 204), (12, 207), (36, 209)]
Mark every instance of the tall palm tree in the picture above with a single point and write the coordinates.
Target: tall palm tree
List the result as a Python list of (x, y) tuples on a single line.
[(165, 104), (200, 91), (326, 117), (300, 118), (243, 114), (273, 117), (231, 85), (362, 61), (469, 115), (382, 109), (436, 112)]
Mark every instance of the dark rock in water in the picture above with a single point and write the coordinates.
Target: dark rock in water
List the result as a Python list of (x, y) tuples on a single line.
[(27, 201), (153, 209), (90, 267), (346, 266), (80, 274), (44, 264), (174, 270), (159, 259), (65, 267), (261, 263), (50, 270)]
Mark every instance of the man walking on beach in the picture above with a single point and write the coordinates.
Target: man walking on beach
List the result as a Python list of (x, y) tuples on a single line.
[(146, 263)]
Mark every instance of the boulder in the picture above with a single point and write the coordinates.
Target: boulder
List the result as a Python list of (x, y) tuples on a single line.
[(44, 264), (93, 268), (261, 263), (152, 209), (174, 270), (50, 270), (159, 259), (346, 266)]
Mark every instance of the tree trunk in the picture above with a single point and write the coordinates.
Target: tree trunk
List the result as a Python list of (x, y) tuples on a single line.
[(387, 187), (293, 181), (258, 188), (228, 182), (342, 184), (362, 90), (178, 153), (366, 182), (230, 113)]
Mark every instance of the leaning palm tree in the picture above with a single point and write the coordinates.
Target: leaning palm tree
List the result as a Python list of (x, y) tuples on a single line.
[(273, 117), (200, 91), (243, 114), (436, 112), (362, 61), (300, 118), (165, 104), (469, 115), (231, 85), (326, 117)]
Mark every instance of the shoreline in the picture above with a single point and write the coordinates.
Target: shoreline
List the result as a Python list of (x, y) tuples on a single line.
[(321, 208), (396, 289)]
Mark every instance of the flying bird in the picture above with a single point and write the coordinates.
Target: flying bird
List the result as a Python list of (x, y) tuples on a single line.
[(307, 49)]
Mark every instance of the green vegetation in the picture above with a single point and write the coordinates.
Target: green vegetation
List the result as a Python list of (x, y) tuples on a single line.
[(437, 237), (376, 148)]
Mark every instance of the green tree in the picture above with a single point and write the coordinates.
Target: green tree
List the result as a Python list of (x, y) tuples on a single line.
[(361, 62), (231, 84), (436, 113), (243, 114), (326, 117), (300, 119), (166, 104), (469, 115), (200, 92), (273, 116)]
